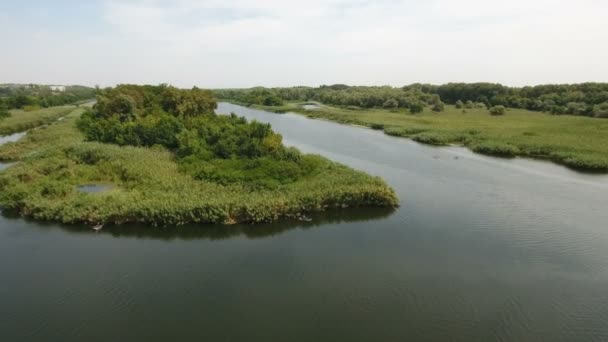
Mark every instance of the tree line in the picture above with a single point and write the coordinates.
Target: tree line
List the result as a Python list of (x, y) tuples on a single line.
[(587, 99), (33, 96)]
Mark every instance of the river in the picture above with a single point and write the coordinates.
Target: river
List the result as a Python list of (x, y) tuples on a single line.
[(481, 249)]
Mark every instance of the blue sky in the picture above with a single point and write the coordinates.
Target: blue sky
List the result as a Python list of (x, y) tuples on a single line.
[(240, 43)]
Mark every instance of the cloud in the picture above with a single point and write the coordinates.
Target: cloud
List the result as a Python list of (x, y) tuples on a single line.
[(251, 42)]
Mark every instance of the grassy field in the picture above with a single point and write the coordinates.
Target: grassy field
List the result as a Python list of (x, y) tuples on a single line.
[(148, 187), (20, 120), (577, 142)]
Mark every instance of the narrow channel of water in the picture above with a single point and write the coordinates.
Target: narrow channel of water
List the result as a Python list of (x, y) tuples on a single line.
[(481, 249)]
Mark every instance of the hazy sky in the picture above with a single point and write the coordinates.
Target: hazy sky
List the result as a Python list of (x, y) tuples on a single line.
[(241, 43)]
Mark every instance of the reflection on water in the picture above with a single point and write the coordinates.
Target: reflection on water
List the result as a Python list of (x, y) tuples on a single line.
[(223, 232)]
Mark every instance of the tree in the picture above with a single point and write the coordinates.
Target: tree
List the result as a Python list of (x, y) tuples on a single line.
[(4, 113), (459, 104), (601, 110), (438, 107), (498, 110), (391, 104), (416, 107)]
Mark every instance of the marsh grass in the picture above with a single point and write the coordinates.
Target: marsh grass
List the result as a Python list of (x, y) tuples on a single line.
[(21, 120), (147, 185), (574, 141)]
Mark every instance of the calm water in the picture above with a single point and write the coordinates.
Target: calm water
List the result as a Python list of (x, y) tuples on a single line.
[(94, 188), (481, 249)]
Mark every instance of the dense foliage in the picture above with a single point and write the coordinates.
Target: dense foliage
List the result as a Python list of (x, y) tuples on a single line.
[(587, 99), (33, 96), (4, 113), (574, 99), (219, 148), (337, 95)]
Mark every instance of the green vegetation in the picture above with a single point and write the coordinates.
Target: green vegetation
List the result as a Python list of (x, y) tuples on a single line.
[(575, 141), (170, 161), (337, 95), (586, 99), (4, 113), (498, 110), (33, 97), (573, 99), (20, 120)]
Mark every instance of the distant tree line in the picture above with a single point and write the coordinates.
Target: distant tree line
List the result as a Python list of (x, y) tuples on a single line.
[(337, 95), (588, 99), (41, 96)]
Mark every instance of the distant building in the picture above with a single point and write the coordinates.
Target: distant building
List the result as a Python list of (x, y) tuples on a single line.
[(57, 88)]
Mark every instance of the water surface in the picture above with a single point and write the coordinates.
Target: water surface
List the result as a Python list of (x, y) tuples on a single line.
[(481, 249), (11, 138), (94, 188)]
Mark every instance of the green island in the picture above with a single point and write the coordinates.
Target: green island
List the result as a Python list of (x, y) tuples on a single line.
[(161, 156), (561, 123)]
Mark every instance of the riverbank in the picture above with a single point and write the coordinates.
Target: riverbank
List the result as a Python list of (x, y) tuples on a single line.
[(574, 141), (21, 120), (149, 187)]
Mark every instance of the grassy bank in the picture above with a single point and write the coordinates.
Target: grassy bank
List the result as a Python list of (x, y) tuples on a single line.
[(149, 187), (577, 142), (20, 120)]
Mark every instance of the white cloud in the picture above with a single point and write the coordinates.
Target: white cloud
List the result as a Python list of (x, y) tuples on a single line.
[(251, 42)]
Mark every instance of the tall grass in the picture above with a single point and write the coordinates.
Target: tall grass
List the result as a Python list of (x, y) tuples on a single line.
[(21, 120)]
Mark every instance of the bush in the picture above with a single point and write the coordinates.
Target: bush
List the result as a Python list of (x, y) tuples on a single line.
[(31, 108), (496, 149), (459, 104), (431, 138), (498, 110), (416, 107), (391, 104), (601, 110), (438, 107), (4, 113)]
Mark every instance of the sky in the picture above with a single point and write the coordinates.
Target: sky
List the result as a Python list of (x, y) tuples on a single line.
[(244, 43)]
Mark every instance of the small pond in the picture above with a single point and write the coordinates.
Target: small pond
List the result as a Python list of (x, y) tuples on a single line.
[(94, 188)]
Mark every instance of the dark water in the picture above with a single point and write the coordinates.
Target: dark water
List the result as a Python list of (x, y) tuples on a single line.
[(94, 188), (481, 249)]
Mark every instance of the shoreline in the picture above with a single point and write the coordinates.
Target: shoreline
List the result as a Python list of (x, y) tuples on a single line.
[(498, 152)]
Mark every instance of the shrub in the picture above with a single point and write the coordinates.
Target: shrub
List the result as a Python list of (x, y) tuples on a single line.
[(416, 107), (496, 149), (4, 113), (459, 104), (31, 108), (601, 110), (438, 107), (391, 104), (431, 138), (498, 110)]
